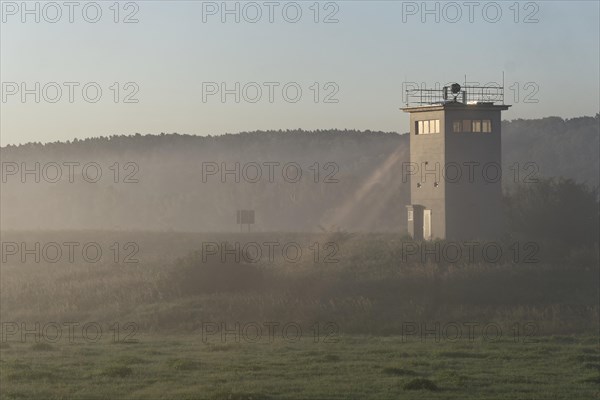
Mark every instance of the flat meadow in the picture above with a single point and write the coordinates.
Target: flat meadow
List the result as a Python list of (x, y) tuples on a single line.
[(335, 316)]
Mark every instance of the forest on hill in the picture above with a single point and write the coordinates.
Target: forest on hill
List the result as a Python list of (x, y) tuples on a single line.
[(295, 180)]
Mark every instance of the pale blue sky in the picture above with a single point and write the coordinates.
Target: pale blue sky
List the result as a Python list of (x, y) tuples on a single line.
[(368, 54)]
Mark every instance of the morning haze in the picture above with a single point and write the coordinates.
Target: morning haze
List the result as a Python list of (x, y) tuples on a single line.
[(226, 201)]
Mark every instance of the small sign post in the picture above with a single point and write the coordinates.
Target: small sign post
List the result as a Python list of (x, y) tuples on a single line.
[(245, 217)]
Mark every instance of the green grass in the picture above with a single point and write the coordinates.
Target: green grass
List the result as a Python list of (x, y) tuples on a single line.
[(356, 367), (546, 313), (370, 291)]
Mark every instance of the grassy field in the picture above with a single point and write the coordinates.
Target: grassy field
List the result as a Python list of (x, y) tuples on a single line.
[(354, 367), (370, 308), (368, 290)]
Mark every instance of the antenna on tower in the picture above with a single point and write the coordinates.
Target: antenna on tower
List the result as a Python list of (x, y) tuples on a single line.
[(405, 90), (503, 87)]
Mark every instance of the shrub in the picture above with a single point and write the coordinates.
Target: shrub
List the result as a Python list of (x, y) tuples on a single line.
[(184, 364), (420, 384), (399, 371), (117, 371), (42, 347), (193, 276)]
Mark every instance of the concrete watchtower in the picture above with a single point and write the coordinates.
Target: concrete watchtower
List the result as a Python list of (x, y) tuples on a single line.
[(455, 162)]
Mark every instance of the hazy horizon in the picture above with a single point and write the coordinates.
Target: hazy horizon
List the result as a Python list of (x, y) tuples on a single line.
[(172, 59), (362, 200), (259, 130)]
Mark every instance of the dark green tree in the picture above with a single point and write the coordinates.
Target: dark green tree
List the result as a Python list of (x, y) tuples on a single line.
[(560, 214)]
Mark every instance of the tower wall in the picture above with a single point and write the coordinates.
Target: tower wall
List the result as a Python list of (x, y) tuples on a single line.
[(429, 149), (458, 175), (474, 201)]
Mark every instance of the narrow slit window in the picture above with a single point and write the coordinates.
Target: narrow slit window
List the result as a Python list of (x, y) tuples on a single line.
[(456, 127), (466, 125), (486, 126)]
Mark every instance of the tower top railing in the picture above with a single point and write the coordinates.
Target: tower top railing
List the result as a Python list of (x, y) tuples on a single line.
[(455, 93)]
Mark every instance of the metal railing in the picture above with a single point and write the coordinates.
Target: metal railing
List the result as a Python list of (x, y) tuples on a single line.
[(467, 95)]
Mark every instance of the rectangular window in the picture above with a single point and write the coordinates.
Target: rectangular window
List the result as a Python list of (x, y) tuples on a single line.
[(466, 125), (486, 126), (410, 215), (475, 125), (428, 126), (456, 127)]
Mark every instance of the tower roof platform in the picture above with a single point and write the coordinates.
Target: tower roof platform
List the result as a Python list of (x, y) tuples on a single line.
[(455, 96), (455, 105)]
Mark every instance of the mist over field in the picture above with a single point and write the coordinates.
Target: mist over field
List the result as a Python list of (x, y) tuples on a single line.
[(148, 254), (284, 200), (296, 181)]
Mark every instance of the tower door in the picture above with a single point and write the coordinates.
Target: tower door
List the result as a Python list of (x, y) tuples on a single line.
[(427, 224)]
